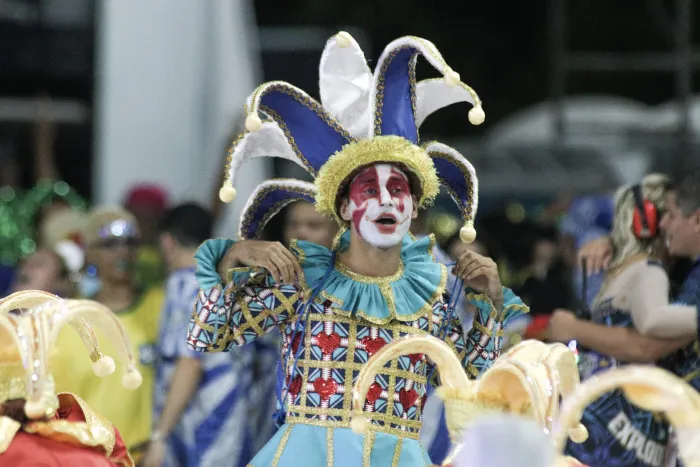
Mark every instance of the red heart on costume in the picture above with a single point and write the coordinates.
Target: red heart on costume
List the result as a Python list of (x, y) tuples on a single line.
[(375, 390), (295, 343), (294, 386), (372, 344), (325, 387), (328, 342), (415, 357), (408, 398)]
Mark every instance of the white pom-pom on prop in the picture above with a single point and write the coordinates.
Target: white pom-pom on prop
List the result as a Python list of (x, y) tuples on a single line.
[(452, 78), (343, 39), (477, 115), (360, 424), (104, 366), (467, 234), (132, 379), (227, 193), (578, 434), (36, 409), (253, 123)]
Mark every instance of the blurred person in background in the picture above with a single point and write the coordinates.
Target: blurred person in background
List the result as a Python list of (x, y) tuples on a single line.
[(200, 400), (112, 237), (148, 203), (54, 267), (635, 294), (303, 222), (587, 218)]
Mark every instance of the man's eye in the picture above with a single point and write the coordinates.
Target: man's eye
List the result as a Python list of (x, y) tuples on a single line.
[(371, 191)]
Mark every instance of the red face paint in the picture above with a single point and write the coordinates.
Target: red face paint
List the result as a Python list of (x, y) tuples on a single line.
[(381, 204)]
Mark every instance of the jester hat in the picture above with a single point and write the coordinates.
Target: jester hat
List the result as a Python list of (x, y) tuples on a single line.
[(364, 118)]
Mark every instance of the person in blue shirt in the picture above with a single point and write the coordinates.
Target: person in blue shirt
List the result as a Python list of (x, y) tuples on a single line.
[(199, 399)]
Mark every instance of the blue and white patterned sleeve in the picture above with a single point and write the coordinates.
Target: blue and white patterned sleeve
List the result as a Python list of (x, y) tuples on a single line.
[(247, 306), (484, 339)]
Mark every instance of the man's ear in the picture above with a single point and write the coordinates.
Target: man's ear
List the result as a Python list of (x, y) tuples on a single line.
[(345, 210), (414, 214)]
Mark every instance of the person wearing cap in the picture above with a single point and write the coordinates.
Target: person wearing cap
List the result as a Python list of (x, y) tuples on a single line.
[(337, 307), (111, 237), (42, 426), (148, 203)]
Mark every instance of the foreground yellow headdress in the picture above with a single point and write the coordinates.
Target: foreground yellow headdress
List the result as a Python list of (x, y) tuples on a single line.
[(528, 380), (28, 337)]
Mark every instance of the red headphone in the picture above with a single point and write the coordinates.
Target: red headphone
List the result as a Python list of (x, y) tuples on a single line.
[(645, 223)]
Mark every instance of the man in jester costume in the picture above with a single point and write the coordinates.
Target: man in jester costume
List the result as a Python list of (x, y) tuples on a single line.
[(336, 307)]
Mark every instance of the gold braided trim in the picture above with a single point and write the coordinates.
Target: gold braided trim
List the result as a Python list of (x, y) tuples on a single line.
[(367, 449), (466, 208), (293, 420), (353, 366), (282, 445), (345, 413), (250, 215), (381, 149), (397, 453), (96, 431), (330, 462)]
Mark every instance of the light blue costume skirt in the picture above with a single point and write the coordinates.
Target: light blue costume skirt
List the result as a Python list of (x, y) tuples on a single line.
[(315, 446)]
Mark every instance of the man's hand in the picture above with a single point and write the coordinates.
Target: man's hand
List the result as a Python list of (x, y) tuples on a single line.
[(596, 255), (155, 455), (481, 275), (561, 326), (272, 256)]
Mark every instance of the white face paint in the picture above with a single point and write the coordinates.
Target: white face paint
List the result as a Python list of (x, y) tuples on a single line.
[(380, 205)]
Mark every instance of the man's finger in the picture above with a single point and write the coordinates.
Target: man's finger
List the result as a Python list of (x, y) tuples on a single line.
[(298, 270), (270, 266), (478, 271), (284, 266)]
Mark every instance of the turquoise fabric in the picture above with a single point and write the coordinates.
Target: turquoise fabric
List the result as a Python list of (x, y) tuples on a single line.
[(422, 282), (207, 257), (307, 445)]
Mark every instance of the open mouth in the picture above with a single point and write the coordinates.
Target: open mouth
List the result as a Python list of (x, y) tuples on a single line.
[(387, 220)]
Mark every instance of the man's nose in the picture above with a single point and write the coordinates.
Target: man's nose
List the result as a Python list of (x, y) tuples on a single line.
[(385, 198)]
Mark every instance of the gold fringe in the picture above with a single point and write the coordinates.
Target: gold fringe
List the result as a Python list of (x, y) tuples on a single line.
[(380, 149)]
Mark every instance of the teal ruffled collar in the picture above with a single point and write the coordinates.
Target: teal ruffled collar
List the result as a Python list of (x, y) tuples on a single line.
[(404, 296)]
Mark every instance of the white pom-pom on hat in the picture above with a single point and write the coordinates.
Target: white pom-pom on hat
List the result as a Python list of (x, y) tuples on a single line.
[(227, 193), (132, 379), (104, 366), (477, 115), (253, 123), (343, 39)]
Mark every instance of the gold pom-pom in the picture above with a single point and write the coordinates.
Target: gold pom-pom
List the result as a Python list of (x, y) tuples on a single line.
[(451, 77), (253, 123), (477, 115), (360, 424), (132, 379), (104, 366), (579, 434), (467, 234), (36, 409), (343, 39), (227, 193)]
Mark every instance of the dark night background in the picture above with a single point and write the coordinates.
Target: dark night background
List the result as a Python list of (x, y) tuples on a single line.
[(500, 47)]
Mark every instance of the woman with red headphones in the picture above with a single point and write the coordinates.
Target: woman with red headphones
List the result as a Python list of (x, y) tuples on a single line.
[(635, 293)]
